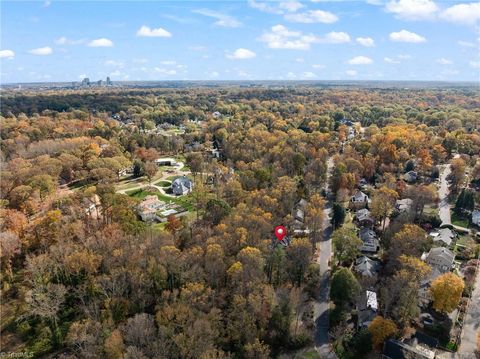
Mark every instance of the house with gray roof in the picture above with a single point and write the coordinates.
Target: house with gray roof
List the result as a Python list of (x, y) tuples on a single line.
[(363, 218), (403, 205), (359, 200), (410, 176), (476, 217), (443, 236), (440, 258), (182, 186), (367, 267), (369, 239)]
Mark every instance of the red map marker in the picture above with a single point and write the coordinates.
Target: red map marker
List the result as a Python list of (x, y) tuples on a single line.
[(280, 232)]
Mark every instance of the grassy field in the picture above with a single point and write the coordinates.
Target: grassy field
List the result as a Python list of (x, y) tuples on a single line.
[(459, 221), (163, 183)]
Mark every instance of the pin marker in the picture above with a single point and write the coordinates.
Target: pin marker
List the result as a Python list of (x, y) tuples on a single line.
[(280, 232)]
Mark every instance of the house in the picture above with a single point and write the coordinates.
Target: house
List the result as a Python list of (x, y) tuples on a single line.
[(440, 258), (367, 307), (367, 267), (424, 296), (148, 208), (363, 218), (299, 214), (403, 205), (216, 114), (351, 133), (476, 217), (410, 176), (91, 205), (166, 161), (395, 349), (443, 236), (370, 241), (182, 186), (359, 200)]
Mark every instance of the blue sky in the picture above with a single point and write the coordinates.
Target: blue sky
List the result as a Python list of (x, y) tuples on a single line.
[(240, 40)]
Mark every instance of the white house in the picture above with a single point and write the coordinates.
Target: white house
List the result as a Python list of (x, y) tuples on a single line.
[(148, 208), (410, 176), (367, 308), (182, 186), (403, 205), (359, 200)]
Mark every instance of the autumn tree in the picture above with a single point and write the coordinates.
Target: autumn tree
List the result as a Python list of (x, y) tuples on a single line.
[(381, 329), (150, 169), (382, 204), (446, 292), (314, 217)]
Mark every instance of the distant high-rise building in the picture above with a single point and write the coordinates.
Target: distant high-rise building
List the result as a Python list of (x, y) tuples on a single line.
[(109, 82), (100, 82), (86, 81)]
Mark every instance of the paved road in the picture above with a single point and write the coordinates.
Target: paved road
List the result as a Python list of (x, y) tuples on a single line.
[(443, 191), (471, 324), (322, 303)]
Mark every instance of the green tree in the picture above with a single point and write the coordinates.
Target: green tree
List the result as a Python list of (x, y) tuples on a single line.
[(346, 244), (344, 288)]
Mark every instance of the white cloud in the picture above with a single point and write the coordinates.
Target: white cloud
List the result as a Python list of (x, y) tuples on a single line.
[(145, 31), (281, 37), (42, 51), (278, 8), (47, 3), (114, 63), (312, 16), (168, 62), (360, 60), (290, 6), (365, 41), (351, 72), (308, 75), (82, 76), (335, 37), (475, 64), (466, 44), (66, 41), (404, 57), (412, 9), (102, 42), (466, 14), (241, 54), (140, 61), (406, 36), (7, 54), (165, 71), (391, 60), (300, 60), (318, 66), (444, 61), (212, 74), (222, 19)]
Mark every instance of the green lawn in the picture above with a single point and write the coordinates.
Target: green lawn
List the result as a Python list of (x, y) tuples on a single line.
[(184, 201), (459, 221), (163, 183)]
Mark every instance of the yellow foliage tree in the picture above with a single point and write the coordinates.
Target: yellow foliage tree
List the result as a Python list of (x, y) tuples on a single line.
[(447, 291), (381, 329)]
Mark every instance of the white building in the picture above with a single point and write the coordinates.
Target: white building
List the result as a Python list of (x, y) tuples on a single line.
[(182, 186)]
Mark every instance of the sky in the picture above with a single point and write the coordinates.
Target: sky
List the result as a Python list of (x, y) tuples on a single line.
[(43, 41)]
